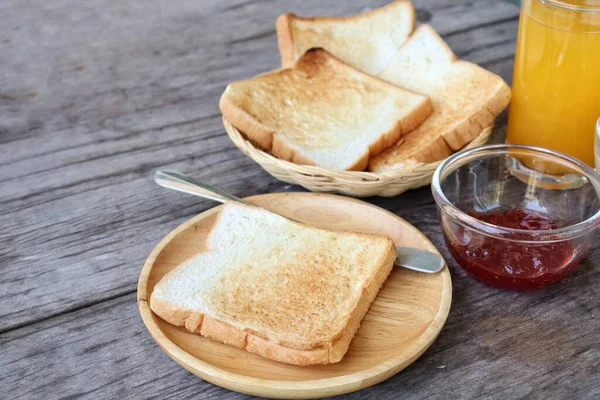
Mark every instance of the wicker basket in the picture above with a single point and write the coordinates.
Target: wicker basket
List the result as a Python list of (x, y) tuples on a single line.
[(352, 183)]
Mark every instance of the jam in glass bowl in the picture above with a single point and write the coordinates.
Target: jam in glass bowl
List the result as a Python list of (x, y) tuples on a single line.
[(517, 217)]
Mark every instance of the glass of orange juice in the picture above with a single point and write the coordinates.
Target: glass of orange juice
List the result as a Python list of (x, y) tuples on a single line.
[(556, 83)]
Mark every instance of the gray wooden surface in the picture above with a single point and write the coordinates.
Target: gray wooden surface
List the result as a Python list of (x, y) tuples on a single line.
[(97, 95)]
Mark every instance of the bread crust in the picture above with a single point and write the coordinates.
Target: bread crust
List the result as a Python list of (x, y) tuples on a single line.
[(282, 150), (432, 149), (285, 40), (463, 132), (256, 131), (285, 37), (290, 353)]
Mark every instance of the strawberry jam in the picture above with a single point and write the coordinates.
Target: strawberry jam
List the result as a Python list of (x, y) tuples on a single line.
[(512, 264)]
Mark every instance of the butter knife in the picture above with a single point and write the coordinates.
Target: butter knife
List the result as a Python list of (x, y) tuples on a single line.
[(408, 257)]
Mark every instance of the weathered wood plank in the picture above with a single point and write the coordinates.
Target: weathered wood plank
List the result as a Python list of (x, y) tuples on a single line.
[(496, 344), (87, 95), (120, 89), (117, 94)]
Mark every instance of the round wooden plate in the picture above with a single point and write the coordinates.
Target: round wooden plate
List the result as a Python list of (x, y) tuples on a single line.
[(401, 324)]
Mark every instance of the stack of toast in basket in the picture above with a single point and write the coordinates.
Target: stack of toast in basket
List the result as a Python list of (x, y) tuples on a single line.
[(354, 93), (364, 92)]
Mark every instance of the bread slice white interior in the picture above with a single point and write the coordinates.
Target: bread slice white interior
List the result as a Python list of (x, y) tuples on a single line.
[(366, 41)]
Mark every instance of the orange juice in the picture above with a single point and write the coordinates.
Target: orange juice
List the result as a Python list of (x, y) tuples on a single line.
[(556, 83)]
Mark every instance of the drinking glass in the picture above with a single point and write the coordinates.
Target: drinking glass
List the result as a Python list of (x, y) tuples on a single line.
[(556, 83)]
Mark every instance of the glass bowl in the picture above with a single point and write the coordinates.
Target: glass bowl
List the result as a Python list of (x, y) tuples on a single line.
[(517, 217)]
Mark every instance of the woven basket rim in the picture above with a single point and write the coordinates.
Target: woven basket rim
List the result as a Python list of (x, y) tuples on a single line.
[(344, 177)]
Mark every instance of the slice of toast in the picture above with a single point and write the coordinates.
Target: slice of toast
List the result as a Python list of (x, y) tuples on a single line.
[(322, 112), (466, 99), (366, 41), (277, 288)]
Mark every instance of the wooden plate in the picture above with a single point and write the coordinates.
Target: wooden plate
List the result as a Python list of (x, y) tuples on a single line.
[(401, 324)]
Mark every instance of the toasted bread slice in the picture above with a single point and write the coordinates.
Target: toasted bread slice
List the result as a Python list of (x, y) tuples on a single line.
[(466, 99), (322, 112), (366, 41), (280, 289)]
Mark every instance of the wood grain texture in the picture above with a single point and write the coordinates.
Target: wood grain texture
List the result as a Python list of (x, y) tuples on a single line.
[(495, 344), (97, 95), (99, 120), (403, 321)]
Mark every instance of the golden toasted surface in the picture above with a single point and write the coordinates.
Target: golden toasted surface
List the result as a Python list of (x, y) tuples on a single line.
[(322, 112), (284, 100), (466, 99), (304, 103), (281, 281), (304, 298)]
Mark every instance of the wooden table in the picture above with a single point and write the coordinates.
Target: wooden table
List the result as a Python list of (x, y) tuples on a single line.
[(97, 95)]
